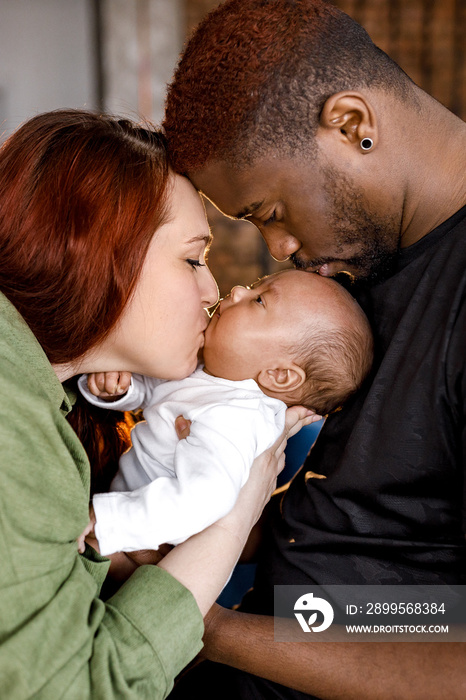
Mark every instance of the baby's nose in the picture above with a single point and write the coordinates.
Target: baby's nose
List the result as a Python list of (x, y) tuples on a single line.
[(238, 293)]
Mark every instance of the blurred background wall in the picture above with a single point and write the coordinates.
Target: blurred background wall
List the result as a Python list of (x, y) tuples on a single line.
[(118, 55)]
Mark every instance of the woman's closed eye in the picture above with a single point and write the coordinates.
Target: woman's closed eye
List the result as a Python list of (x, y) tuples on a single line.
[(195, 263)]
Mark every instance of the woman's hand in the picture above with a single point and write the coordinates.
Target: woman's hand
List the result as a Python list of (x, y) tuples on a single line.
[(262, 479), (203, 563), (297, 417)]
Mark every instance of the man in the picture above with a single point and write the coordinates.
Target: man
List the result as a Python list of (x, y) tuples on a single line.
[(283, 112)]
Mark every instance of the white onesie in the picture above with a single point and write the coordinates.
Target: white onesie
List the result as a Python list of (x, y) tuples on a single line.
[(168, 489)]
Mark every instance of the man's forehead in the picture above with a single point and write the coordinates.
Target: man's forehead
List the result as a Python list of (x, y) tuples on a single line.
[(217, 182), (240, 191), (236, 192)]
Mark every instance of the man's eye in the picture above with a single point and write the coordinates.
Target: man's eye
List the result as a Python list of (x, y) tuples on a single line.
[(195, 263), (271, 218)]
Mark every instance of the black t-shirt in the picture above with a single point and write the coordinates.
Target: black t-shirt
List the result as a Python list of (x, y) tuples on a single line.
[(391, 510)]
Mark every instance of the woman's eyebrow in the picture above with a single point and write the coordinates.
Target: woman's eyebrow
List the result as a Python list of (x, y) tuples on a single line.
[(206, 238)]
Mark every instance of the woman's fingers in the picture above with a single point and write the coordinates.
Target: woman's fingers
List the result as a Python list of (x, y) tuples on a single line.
[(297, 417), (264, 471), (280, 467)]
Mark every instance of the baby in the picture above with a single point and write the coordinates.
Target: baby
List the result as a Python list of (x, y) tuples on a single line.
[(292, 338)]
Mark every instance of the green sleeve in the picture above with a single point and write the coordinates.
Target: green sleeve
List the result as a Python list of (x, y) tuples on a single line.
[(57, 638)]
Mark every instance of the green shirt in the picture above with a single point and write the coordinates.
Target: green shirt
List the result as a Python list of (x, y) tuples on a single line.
[(57, 638)]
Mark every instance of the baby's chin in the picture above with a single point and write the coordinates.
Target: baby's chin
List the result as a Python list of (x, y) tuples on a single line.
[(200, 356)]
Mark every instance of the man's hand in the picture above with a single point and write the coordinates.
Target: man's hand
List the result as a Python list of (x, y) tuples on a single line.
[(109, 385)]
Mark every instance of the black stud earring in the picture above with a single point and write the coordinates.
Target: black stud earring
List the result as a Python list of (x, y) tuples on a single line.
[(366, 144)]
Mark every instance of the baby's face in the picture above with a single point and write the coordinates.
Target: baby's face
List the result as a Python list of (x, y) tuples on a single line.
[(254, 328)]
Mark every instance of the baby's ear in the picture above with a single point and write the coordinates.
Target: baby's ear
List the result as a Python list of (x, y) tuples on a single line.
[(282, 379)]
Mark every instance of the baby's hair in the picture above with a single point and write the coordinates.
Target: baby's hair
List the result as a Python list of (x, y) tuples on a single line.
[(336, 362), (255, 76)]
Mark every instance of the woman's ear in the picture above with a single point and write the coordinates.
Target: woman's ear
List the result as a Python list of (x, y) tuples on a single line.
[(351, 116), (282, 379)]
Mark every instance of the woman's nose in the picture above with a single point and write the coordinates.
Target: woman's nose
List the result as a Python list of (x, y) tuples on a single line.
[(210, 293), (281, 244), (238, 293)]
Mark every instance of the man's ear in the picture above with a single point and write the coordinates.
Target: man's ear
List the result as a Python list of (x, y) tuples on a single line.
[(352, 115), (282, 379)]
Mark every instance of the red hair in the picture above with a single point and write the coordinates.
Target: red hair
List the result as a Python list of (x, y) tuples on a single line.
[(255, 75), (81, 195)]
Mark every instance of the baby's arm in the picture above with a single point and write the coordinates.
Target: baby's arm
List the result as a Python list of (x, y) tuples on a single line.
[(108, 385), (120, 391), (211, 466)]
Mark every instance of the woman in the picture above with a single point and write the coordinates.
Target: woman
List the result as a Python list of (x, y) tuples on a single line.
[(102, 266)]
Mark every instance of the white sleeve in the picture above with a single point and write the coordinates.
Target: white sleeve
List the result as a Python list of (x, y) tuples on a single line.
[(138, 395), (211, 466)]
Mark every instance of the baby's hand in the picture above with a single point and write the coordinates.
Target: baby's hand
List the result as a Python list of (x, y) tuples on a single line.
[(109, 385)]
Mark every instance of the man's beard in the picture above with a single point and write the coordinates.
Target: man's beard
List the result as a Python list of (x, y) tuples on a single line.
[(374, 264), (377, 237)]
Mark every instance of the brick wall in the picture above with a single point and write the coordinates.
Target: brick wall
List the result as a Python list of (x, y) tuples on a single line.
[(425, 37)]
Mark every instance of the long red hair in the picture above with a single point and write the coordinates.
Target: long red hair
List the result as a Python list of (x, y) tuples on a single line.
[(81, 195)]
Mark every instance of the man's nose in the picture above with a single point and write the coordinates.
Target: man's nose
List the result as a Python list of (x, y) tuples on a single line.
[(281, 244)]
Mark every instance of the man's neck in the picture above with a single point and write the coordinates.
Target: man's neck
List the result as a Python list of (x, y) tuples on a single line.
[(438, 182)]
